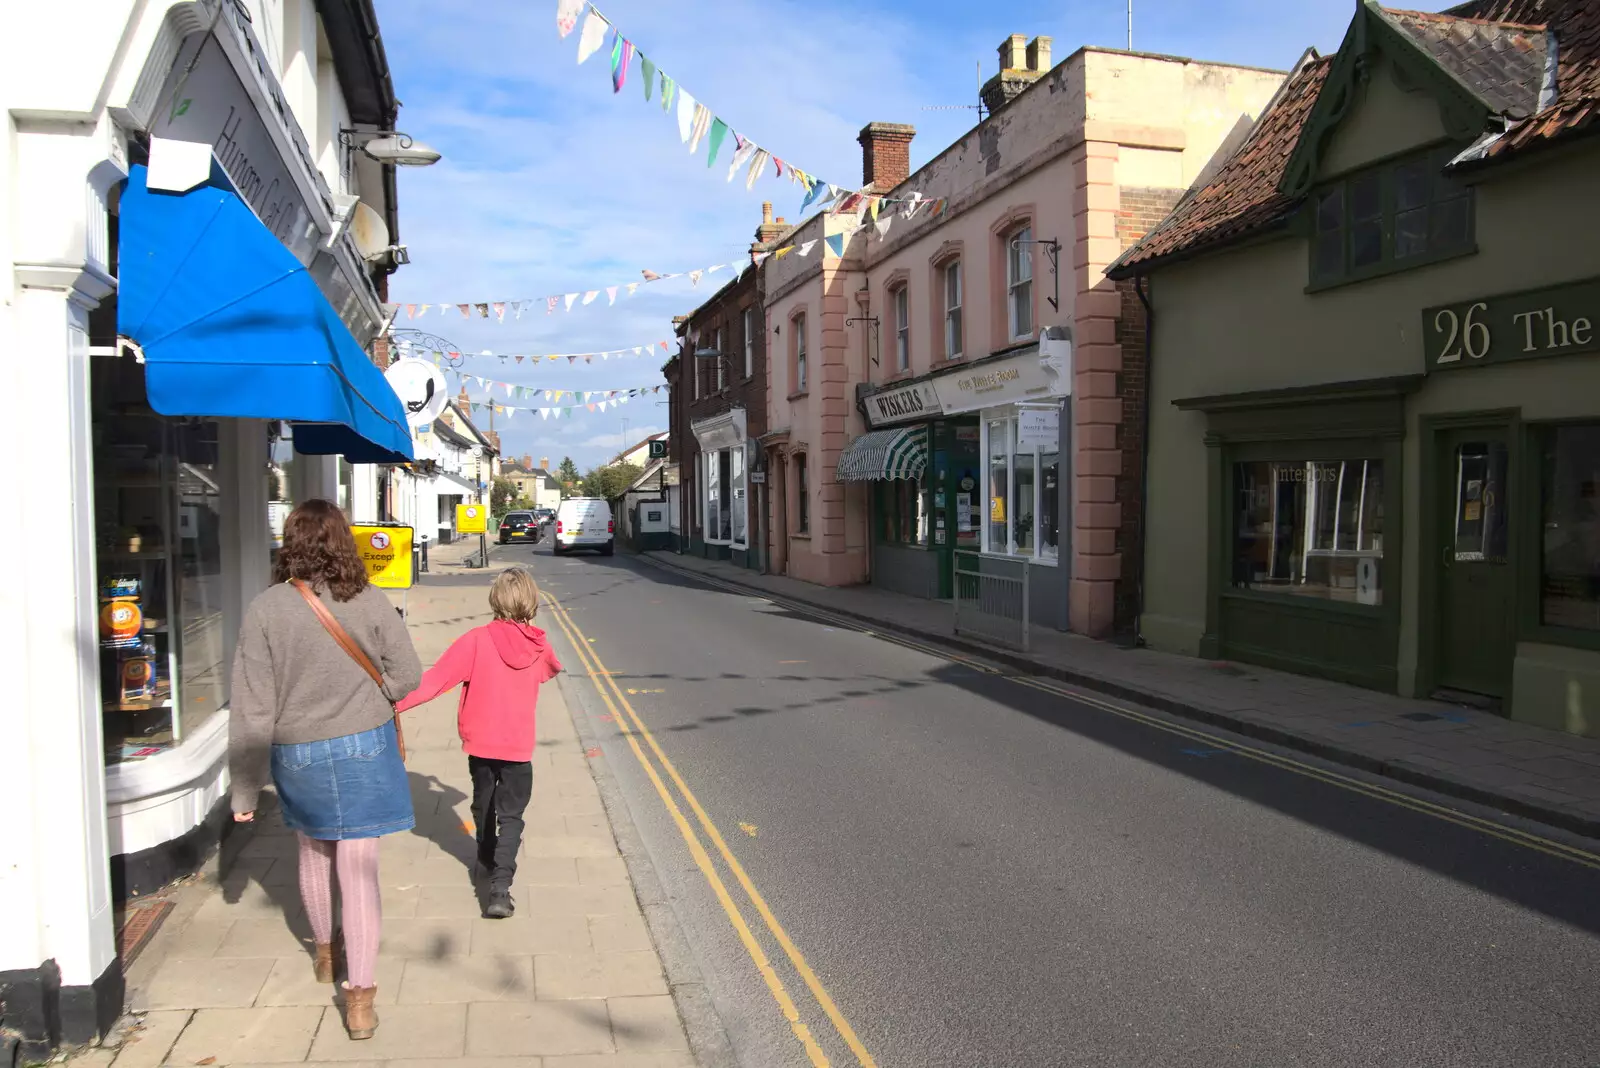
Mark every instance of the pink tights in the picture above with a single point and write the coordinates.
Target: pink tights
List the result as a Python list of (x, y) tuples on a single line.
[(362, 908)]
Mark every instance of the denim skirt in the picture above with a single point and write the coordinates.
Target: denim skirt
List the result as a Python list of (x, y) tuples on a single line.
[(349, 787)]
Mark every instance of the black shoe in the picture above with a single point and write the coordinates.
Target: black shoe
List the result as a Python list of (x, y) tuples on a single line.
[(499, 906)]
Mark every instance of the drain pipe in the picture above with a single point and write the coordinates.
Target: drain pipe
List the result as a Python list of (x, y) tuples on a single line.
[(1144, 454)]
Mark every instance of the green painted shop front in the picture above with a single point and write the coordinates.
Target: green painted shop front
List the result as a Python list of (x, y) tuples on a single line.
[(918, 524)]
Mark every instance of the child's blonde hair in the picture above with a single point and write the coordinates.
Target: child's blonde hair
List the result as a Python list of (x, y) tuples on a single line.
[(514, 596)]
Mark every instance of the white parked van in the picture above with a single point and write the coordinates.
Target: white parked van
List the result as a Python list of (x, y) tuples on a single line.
[(584, 523)]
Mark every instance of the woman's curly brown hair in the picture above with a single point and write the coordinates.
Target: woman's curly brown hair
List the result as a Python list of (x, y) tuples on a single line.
[(318, 548)]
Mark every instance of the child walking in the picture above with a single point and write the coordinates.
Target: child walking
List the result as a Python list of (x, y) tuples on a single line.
[(499, 667)]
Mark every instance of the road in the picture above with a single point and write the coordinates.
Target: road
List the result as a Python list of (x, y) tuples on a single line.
[(970, 869)]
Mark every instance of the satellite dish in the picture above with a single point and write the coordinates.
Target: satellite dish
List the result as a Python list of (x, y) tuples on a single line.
[(421, 389), (369, 231)]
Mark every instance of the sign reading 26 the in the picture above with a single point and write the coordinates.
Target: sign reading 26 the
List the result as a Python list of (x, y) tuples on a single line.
[(1557, 321), (1462, 333)]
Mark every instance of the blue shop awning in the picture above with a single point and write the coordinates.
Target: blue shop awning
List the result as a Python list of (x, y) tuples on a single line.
[(901, 452), (232, 325)]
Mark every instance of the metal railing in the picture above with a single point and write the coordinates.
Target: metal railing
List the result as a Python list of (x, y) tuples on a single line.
[(991, 599)]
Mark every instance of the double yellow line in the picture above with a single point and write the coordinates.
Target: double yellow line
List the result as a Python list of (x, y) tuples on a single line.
[(634, 729), (1526, 839)]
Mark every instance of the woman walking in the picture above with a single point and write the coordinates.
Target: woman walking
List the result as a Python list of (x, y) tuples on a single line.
[(322, 657)]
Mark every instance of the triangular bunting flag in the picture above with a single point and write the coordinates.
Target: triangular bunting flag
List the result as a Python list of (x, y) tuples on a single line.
[(694, 278), (500, 310), (667, 86), (631, 287), (411, 311), (701, 124), (551, 303), (805, 248), (688, 110), (757, 165), (588, 298), (745, 150), (466, 310), (516, 308), (835, 243), (719, 131), (571, 299), (483, 310), (647, 75), (567, 12), (611, 293), (593, 35)]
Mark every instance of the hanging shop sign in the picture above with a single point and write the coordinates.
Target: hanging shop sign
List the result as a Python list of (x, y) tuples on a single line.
[(385, 549), (987, 385), (472, 519), (208, 104), (421, 388), (1038, 428), (725, 431), (1556, 321), (903, 404)]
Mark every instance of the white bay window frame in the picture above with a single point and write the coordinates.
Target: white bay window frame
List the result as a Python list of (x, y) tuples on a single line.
[(1008, 416)]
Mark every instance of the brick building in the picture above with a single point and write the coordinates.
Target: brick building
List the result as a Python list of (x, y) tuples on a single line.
[(717, 400), (966, 381)]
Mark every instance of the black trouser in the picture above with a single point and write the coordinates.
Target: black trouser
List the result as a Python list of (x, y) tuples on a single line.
[(500, 792)]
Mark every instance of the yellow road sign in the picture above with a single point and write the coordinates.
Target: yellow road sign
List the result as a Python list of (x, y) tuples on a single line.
[(472, 519), (386, 550)]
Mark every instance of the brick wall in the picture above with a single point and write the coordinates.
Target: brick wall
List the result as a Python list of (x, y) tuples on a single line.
[(1138, 211)]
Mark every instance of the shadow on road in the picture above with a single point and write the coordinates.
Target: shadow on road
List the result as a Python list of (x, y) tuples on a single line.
[(1557, 888)]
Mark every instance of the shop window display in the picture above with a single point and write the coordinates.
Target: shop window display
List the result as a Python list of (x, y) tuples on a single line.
[(159, 499), (1310, 528), (1024, 515), (1569, 571)]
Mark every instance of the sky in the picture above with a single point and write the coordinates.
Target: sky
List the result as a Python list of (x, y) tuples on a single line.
[(552, 183)]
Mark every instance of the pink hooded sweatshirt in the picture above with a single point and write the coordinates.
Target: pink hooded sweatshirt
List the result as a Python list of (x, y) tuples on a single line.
[(499, 668)]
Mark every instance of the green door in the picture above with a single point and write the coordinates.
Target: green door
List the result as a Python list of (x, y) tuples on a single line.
[(1474, 647)]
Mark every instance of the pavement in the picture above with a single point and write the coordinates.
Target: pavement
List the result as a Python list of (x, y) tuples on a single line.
[(1461, 752), (882, 851), (574, 980)]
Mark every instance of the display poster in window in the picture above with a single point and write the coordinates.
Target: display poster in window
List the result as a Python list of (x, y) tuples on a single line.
[(386, 551), (1038, 428), (472, 519), (963, 512), (1367, 580), (997, 509)]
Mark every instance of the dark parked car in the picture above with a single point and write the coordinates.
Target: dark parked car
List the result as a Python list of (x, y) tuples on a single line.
[(519, 526)]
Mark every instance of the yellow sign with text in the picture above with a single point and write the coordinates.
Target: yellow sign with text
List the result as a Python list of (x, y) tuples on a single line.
[(472, 519), (386, 551)]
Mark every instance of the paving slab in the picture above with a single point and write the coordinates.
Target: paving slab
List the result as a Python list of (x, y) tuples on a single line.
[(258, 1036)]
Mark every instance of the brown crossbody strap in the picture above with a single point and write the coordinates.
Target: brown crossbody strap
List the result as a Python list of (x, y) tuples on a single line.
[(347, 643)]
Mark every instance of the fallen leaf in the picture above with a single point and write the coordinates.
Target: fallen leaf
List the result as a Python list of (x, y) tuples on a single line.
[(206, 1060), (749, 828)]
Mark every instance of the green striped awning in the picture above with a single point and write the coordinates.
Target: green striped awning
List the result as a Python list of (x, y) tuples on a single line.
[(901, 452)]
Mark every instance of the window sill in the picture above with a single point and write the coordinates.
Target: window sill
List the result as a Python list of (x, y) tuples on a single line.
[(800, 395), (1018, 558), (802, 536), (184, 766), (1566, 637), (1384, 270), (1301, 603)]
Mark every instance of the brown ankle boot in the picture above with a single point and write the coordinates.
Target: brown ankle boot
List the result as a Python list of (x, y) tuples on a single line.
[(329, 957), (360, 1019)]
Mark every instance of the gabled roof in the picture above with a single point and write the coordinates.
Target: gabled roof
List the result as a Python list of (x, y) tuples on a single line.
[(1509, 75)]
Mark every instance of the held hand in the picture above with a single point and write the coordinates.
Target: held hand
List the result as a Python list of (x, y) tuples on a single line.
[(244, 817)]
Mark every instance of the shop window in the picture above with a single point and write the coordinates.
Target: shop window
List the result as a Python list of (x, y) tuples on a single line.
[(160, 494), (724, 464), (1310, 528), (752, 330), (802, 489), (798, 327), (1569, 501), (713, 508), (953, 337), (1023, 480), (1019, 282), (904, 509), (1398, 215), (900, 300)]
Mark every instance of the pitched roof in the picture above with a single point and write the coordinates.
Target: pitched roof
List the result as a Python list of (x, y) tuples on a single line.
[(1572, 105), (1498, 51), (1242, 197)]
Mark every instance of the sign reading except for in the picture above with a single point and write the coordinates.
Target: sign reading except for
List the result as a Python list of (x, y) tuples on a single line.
[(1557, 321), (386, 550), (472, 519)]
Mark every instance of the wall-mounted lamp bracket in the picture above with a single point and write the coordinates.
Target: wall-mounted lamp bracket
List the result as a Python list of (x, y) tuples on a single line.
[(1052, 249)]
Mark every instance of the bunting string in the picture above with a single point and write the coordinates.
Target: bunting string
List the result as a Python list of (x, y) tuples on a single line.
[(426, 350), (500, 310), (697, 123)]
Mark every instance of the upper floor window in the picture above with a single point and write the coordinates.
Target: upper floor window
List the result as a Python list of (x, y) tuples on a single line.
[(799, 327), (950, 277), (751, 327), (900, 299), (722, 362), (1399, 214), (802, 493), (695, 367), (1019, 282)]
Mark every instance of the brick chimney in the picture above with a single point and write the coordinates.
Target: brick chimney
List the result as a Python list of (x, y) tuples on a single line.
[(527, 462), (770, 229), (885, 154), (544, 464), (1020, 66)]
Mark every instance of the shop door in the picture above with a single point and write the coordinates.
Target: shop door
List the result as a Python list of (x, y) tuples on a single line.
[(1474, 646)]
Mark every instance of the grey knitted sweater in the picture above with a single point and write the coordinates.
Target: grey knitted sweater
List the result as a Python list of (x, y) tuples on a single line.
[(293, 683)]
